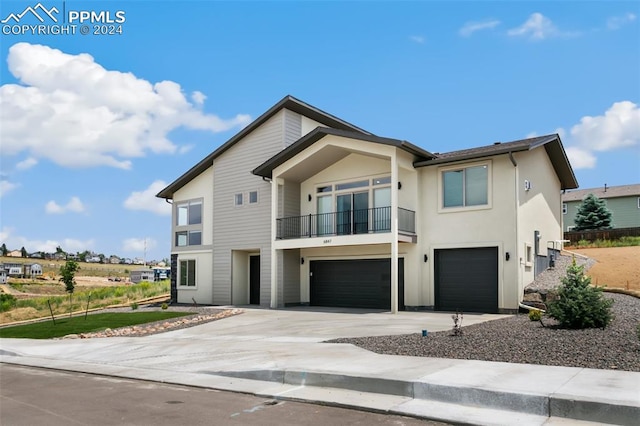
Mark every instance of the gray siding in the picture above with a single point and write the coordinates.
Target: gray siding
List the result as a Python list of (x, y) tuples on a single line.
[(292, 127), (247, 227), (624, 212)]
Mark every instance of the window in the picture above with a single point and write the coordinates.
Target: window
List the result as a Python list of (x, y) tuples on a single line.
[(188, 238), (564, 208), (253, 197), (465, 187), (238, 199), (189, 213), (187, 273), (639, 202), (528, 254)]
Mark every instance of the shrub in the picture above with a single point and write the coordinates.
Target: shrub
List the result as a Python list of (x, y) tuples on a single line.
[(134, 306), (579, 305), (7, 302), (535, 315), (165, 307)]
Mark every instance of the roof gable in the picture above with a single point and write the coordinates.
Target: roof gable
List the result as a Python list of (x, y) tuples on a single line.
[(551, 143), (288, 102), (266, 168)]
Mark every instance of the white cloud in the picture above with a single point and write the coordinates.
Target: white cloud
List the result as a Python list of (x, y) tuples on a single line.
[(617, 128), (74, 205), (26, 164), (138, 245), (6, 187), (417, 39), (580, 158), (198, 97), (616, 22), (471, 27), (69, 245), (185, 148), (538, 27), (146, 200), (72, 111)]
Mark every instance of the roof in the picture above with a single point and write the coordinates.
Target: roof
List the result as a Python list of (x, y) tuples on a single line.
[(551, 143), (266, 168), (288, 102), (603, 192)]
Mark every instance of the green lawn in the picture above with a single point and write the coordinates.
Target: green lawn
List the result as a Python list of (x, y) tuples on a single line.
[(76, 325)]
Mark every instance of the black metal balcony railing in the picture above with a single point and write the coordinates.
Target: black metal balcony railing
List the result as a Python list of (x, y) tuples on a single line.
[(350, 222)]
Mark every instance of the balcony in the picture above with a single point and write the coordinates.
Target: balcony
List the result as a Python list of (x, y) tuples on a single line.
[(349, 222)]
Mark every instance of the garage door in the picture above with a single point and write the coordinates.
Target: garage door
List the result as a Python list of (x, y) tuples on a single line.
[(363, 283), (467, 279)]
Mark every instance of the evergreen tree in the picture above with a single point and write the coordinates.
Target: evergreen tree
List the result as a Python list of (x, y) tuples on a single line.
[(592, 214), (580, 305), (4, 249), (23, 252)]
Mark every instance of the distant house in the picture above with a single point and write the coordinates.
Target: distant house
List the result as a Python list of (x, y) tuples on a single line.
[(623, 202), (15, 253), (13, 269), (138, 261), (114, 260), (142, 275), (35, 270)]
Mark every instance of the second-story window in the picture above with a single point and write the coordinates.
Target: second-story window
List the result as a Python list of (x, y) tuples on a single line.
[(189, 213)]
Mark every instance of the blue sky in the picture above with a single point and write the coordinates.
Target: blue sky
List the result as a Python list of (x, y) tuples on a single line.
[(93, 126)]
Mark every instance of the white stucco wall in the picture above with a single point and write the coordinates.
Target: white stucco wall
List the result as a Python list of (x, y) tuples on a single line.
[(202, 292), (540, 208), (481, 226), (200, 187)]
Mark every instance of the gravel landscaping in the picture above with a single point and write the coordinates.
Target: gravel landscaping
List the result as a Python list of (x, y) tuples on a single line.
[(517, 339)]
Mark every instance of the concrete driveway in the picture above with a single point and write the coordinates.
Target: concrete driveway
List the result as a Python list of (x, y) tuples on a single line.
[(307, 324)]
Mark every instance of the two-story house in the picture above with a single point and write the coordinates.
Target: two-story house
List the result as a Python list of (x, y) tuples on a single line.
[(302, 207)]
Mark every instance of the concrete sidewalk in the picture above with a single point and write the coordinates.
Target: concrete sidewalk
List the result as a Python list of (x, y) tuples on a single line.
[(279, 354)]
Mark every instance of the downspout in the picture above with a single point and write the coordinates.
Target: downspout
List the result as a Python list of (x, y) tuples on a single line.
[(517, 205)]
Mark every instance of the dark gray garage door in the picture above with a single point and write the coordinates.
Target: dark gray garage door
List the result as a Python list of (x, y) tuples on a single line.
[(362, 283), (467, 279)]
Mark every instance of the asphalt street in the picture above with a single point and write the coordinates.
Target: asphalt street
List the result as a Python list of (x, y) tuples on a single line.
[(30, 396)]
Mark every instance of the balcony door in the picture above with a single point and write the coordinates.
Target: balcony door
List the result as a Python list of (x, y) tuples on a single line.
[(382, 209), (324, 225), (352, 210)]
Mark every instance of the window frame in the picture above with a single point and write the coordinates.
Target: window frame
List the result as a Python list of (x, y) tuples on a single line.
[(194, 274), (188, 204), (441, 192), (249, 197), (188, 230)]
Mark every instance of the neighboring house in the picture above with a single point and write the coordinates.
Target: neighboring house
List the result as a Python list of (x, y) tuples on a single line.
[(141, 275), (33, 270), (14, 253), (114, 260), (13, 269), (622, 201), (301, 207)]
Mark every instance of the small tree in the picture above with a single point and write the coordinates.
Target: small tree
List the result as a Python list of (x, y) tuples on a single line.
[(68, 273), (579, 305), (23, 252), (4, 249), (592, 214)]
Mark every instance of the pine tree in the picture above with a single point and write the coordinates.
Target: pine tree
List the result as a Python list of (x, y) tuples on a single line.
[(592, 214), (580, 305)]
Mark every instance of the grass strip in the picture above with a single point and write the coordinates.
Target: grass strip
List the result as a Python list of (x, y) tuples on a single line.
[(76, 325)]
